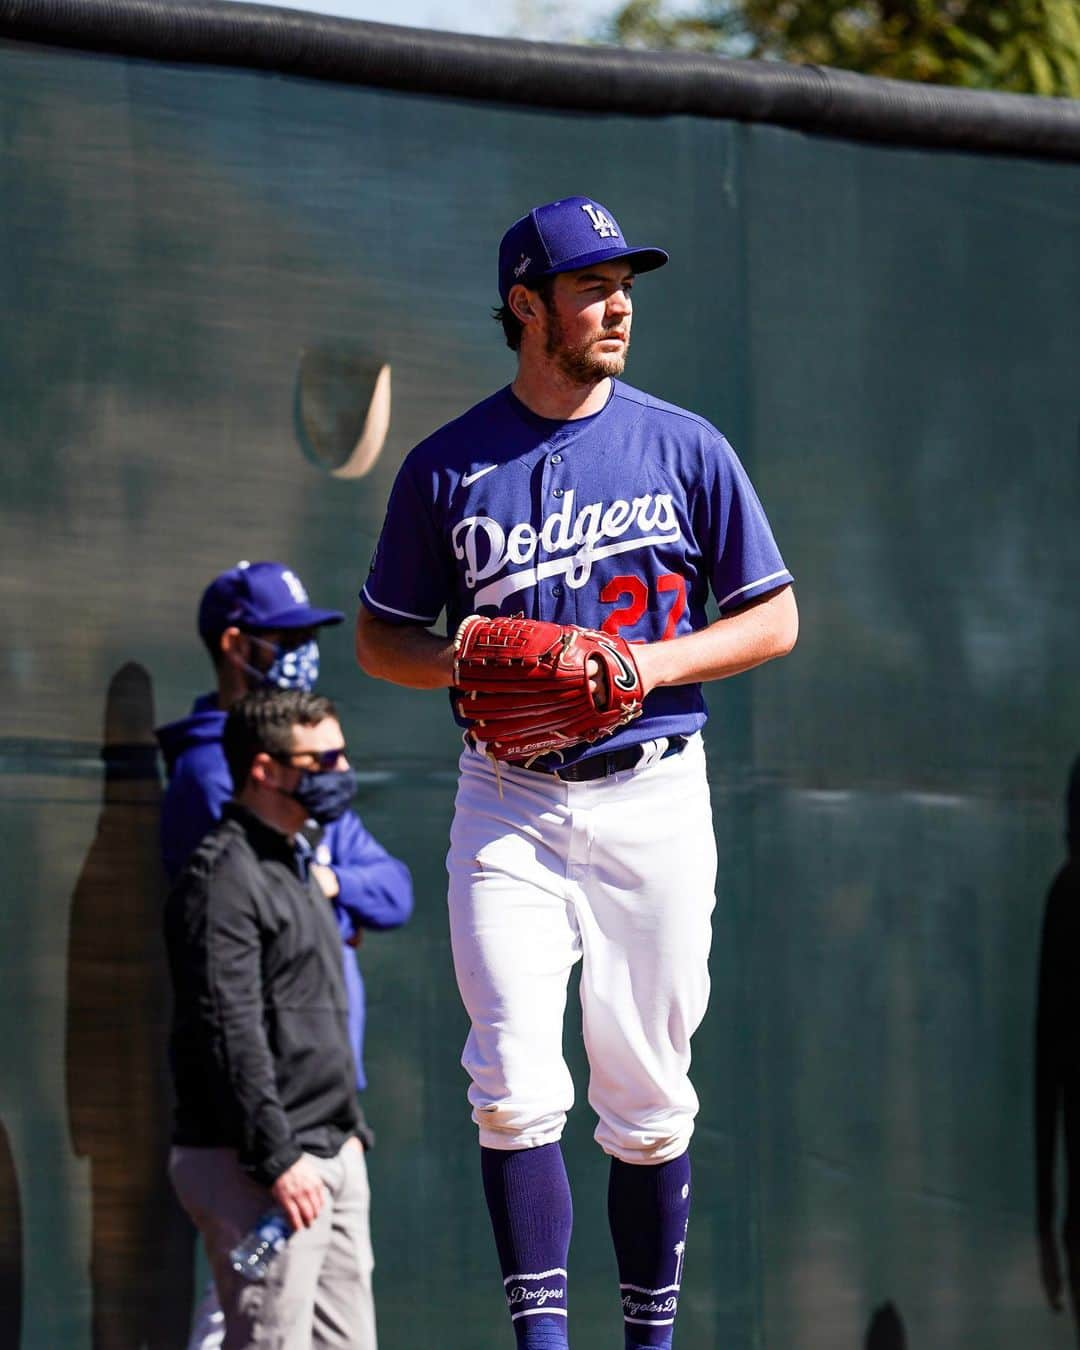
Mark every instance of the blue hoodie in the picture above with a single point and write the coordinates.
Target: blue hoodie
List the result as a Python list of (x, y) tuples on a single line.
[(376, 889)]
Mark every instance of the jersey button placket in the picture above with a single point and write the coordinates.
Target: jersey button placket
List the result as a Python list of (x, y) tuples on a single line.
[(558, 493)]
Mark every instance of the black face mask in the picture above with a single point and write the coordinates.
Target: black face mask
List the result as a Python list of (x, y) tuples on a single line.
[(326, 796)]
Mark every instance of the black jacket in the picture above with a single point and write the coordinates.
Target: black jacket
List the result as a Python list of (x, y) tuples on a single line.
[(259, 1049)]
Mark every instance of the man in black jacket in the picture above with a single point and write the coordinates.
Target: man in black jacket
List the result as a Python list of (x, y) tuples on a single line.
[(266, 1107)]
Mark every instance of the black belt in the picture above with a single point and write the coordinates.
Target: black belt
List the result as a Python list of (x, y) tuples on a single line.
[(603, 765)]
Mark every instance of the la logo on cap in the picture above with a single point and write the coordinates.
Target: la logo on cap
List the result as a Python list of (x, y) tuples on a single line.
[(601, 223)]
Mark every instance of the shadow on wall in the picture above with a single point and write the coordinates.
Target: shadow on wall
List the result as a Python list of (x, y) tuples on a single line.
[(10, 1248), (117, 1075), (1057, 1070), (886, 1330)]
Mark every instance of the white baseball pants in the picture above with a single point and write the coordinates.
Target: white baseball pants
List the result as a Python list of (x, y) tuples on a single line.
[(618, 873)]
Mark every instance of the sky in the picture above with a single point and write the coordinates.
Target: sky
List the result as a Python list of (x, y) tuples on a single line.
[(542, 20)]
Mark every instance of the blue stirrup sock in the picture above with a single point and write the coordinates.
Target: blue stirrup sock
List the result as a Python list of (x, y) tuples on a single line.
[(648, 1209), (528, 1197)]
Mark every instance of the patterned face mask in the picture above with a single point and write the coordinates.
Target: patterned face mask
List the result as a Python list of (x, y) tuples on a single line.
[(293, 668), (327, 795)]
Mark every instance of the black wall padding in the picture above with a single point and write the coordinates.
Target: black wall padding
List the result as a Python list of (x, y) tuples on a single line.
[(811, 98)]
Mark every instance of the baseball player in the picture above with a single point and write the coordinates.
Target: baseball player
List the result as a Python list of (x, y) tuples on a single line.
[(603, 516)]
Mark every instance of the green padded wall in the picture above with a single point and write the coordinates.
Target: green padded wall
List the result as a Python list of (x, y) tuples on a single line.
[(888, 336)]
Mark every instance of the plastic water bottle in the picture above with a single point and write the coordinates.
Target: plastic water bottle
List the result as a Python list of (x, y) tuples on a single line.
[(252, 1255)]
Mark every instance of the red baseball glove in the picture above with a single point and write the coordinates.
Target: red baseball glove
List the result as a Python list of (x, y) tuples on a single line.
[(524, 684)]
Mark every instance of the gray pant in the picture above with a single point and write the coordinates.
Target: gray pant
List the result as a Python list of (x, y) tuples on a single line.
[(318, 1294)]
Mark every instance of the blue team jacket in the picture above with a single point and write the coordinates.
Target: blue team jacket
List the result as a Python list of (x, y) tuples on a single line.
[(376, 889)]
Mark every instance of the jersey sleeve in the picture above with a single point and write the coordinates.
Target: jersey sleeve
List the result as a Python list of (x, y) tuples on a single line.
[(746, 561), (407, 580)]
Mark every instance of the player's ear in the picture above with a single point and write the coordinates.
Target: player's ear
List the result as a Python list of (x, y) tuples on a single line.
[(234, 646), (265, 770), (522, 303)]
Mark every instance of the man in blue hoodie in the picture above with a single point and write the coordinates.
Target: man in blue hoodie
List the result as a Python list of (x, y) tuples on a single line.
[(260, 629)]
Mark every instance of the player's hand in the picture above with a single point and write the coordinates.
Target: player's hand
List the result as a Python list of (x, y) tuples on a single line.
[(598, 685), (327, 879), (300, 1193), (648, 656)]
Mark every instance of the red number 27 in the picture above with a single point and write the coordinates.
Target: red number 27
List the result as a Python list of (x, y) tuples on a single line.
[(636, 593)]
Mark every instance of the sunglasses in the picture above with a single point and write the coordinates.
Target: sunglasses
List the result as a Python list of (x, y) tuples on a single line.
[(325, 759)]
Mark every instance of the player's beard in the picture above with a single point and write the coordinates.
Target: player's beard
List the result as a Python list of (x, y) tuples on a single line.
[(582, 363)]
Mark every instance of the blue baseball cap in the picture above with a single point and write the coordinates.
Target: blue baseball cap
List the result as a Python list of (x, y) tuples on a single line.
[(259, 595), (564, 236)]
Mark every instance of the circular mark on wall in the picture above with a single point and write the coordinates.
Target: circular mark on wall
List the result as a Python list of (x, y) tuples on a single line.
[(342, 409)]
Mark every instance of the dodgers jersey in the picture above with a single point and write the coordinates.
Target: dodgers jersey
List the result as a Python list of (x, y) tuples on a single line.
[(620, 521)]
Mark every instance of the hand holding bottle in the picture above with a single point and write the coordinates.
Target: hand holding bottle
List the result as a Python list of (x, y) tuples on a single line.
[(300, 1193)]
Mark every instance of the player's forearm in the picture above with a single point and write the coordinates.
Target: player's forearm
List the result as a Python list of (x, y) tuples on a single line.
[(402, 654), (763, 630)]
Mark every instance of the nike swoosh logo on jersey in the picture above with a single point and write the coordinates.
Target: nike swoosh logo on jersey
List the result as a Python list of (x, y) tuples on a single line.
[(467, 479)]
